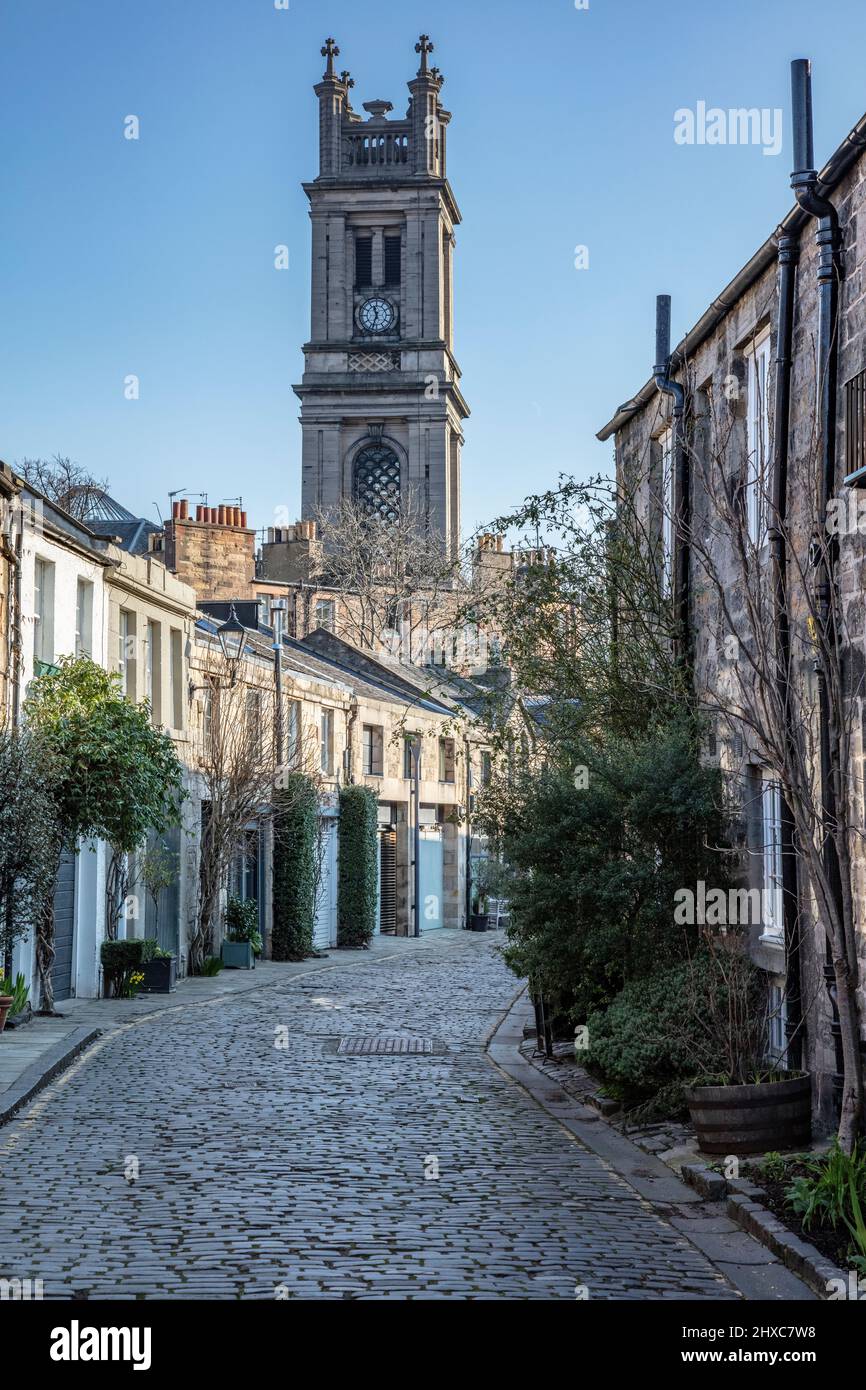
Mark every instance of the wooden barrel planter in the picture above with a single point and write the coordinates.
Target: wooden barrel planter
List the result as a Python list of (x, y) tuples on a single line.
[(752, 1119)]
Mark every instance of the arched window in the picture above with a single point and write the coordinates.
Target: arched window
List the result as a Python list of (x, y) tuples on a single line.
[(377, 481)]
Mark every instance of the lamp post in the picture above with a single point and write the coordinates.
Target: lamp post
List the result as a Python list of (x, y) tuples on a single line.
[(415, 748), (232, 639), (277, 611)]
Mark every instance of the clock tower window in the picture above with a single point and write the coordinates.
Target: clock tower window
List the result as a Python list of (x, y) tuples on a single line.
[(377, 481), (363, 262), (393, 246)]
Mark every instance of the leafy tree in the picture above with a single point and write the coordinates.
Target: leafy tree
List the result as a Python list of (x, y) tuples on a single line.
[(117, 777), (28, 835)]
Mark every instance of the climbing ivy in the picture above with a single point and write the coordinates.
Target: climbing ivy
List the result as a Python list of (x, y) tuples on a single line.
[(295, 868), (358, 895)]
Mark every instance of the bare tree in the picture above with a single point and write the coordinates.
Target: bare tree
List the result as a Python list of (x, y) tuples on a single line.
[(239, 775), (64, 482), (400, 589)]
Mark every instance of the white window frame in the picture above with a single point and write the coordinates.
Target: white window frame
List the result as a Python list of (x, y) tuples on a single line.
[(84, 617), (772, 903), (327, 740), (330, 622), (757, 436), (43, 611), (666, 449)]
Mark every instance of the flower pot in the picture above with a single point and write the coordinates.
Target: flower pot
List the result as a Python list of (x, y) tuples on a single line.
[(160, 975), (480, 921), (238, 955), (752, 1119), (6, 1002)]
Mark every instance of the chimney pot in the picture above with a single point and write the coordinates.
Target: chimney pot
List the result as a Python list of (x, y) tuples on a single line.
[(244, 520), (221, 516), (175, 509)]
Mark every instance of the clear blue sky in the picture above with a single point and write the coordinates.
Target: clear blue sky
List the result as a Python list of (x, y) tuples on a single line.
[(155, 257)]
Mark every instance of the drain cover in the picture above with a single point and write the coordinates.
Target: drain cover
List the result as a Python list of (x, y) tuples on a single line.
[(383, 1047)]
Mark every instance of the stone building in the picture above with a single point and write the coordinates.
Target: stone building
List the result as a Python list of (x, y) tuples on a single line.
[(780, 350), (11, 540)]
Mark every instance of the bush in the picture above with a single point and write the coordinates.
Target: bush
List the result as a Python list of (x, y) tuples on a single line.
[(296, 812), (594, 870), (358, 899), (652, 1039), (120, 961), (242, 921)]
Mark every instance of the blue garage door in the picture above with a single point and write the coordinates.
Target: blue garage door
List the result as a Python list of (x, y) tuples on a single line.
[(64, 927), (430, 863)]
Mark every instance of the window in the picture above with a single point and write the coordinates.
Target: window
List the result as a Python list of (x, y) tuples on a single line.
[(176, 678), (666, 452), (84, 618), (446, 759), (771, 851), (153, 669), (377, 481), (43, 612), (254, 721), (126, 652), (758, 438), (326, 614), (413, 741), (392, 261), (855, 424), (293, 733), (486, 769), (327, 736), (777, 1018), (373, 749), (363, 262), (209, 715)]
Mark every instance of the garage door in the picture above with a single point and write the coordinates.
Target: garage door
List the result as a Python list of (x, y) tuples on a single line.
[(325, 933), (430, 863), (64, 927)]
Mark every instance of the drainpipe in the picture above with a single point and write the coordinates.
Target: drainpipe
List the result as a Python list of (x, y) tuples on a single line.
[(788, 257), (681, 500), (804, 182)]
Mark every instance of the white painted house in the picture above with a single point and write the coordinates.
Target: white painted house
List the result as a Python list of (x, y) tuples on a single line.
[(63, 612)]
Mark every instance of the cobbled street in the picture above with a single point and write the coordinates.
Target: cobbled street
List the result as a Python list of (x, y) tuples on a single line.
[(269, 1166)]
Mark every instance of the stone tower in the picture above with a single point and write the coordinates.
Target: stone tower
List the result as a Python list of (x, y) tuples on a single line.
[(381, 406)]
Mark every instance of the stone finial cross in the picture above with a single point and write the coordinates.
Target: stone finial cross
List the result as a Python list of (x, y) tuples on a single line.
[(424, 47), (347, 79), (330, 51)]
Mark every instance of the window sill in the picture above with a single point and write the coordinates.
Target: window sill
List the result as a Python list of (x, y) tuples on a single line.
[(772, 938)]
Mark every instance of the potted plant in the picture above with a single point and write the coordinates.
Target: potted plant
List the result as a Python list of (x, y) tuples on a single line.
[(122, 966), (751, 1104), (242, 941), (6, 1002), (158, 872), (160, 969), (19, 1012), (487, 879)]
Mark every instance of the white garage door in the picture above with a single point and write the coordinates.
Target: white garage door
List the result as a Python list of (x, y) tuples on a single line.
[(325, 934)]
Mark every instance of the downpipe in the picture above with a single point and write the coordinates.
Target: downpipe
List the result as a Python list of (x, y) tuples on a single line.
[(682, 498), (804, 182)]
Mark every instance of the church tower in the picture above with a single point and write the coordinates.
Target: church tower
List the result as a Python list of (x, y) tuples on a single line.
[(381, 407)]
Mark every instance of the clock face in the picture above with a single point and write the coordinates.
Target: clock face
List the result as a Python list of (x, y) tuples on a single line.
[(376, 316)]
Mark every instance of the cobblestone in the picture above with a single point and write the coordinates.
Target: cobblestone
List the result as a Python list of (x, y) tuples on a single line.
[(269, 1172)]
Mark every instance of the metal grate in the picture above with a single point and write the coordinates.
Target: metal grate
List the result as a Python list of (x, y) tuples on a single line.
[(384, 1047)]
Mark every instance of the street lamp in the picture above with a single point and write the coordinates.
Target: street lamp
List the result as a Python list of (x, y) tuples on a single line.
[(232, 639)]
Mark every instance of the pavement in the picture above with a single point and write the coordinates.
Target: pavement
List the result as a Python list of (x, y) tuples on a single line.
[(221, 1143)]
